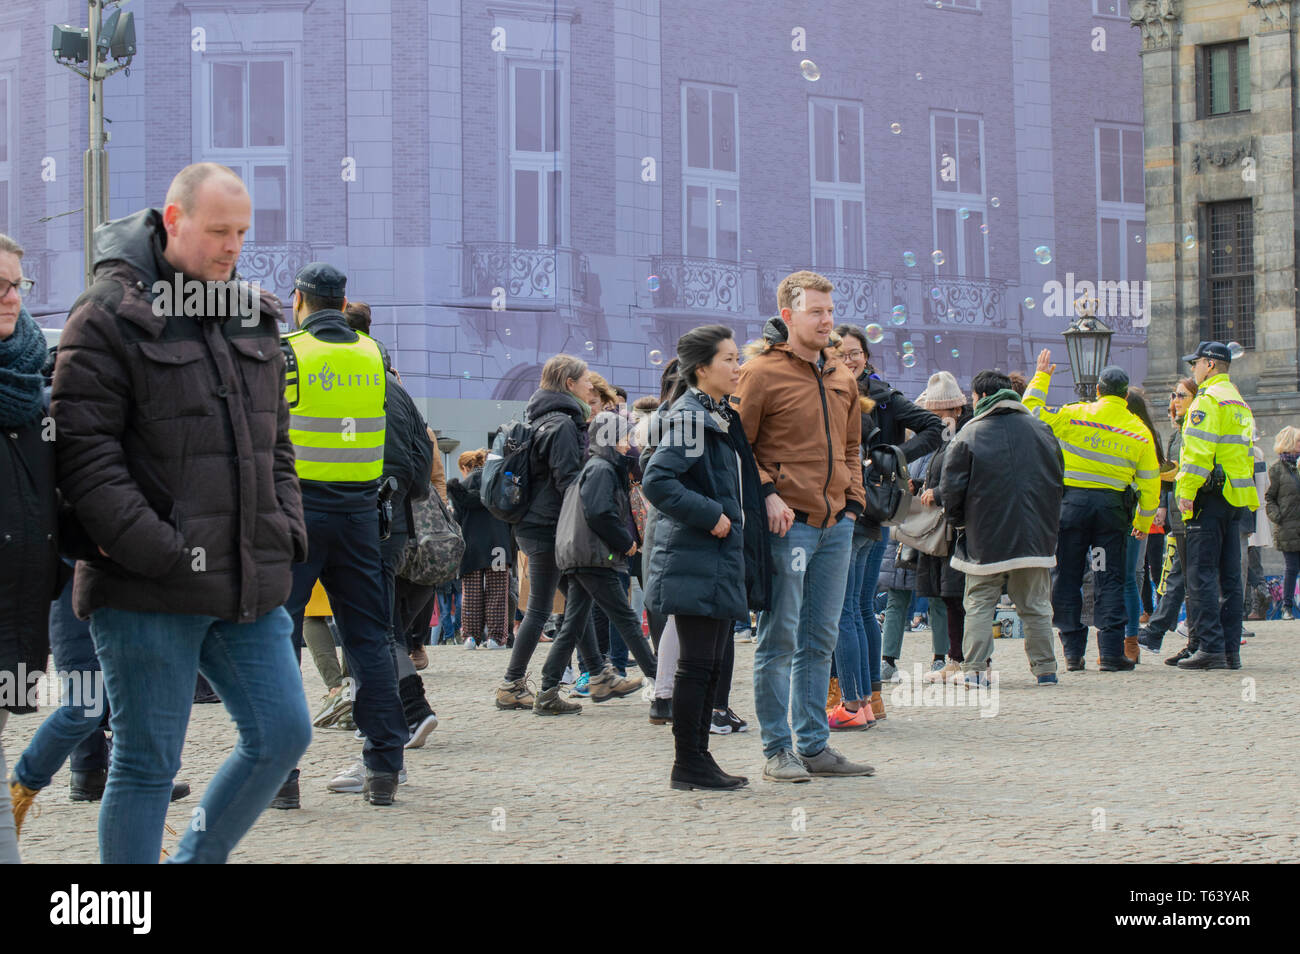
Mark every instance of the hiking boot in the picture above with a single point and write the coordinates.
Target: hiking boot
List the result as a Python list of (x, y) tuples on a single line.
[(548, 702), (379, 787), (1179, 657), (1203, 660), (1131, 650), (878, 705), (1075, 664), (515, 695), (287, 797), (22, 798), (608, 684), (948, 673), (661, 711), (831, 764), (832, 695), (1116, 664), (785, 766), (419, 658)]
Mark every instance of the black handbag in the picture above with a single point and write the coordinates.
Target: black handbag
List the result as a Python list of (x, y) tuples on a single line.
[(885, 483)]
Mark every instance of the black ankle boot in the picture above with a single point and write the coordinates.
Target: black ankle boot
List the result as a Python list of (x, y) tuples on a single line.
[(698, 771)]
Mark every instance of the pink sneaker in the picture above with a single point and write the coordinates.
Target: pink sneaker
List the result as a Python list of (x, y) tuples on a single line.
[(842, 720)]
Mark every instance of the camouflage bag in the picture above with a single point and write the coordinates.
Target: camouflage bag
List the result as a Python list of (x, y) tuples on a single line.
[(433, 552)]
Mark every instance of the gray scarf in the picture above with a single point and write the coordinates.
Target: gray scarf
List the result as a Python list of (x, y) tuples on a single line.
[(22, 355)]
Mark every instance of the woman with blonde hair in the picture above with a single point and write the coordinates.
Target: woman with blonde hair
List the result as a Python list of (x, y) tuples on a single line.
[(1282, 503)]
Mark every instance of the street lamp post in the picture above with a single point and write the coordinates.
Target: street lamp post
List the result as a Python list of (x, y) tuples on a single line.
[(1087, 342), (447, 445)]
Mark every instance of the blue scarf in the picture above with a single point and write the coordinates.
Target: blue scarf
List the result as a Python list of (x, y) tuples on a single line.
[(22, 355)]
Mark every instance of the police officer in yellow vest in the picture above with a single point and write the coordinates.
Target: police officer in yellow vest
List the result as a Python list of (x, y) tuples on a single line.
[(1215, 488), (335, 387), (1110, 459)]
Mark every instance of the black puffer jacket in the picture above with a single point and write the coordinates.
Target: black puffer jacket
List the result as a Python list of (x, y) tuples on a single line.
[(557, 455), (408, 453), (935, 576), (1282, 503), (486, 537), (173, 444), (893, 416), (592, 531)]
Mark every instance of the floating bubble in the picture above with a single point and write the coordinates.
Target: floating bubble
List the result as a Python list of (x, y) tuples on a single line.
[(936, 293), (938, 338), (908, 347), (498, 405), (507, 332), (1043, 255), (919, 77), (875, 333), (656, 357), (898, 314), (466, 375), (1227, 249), (652, 283), (956, 353), (810, 71), (1189, 241), (951, 313), (507, 355), (909, 360), (589, 345), (963, 213), (984, 229), (1029, 303), (895, 128), (937, 256), (1137, 237), (909, 259), (995, 202), (1235, 349)]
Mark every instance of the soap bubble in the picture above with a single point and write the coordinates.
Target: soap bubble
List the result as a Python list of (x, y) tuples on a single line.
[(1189, 241), (895, 128), (1227, 249), (936, 293), (1043, 255), (1029, 303), (653, 283), (898, 314), (1235, 349), (810, 71), (995, 202), (938, 338), (875, 333), (507, 355), (918, 76), (909, 360), (498, 405), (656, 357), (466, 375), (956, 353), (963, 213), (589, 345), (908, 347), (1137, 237), (984, 229), (909, 259), (937, 257), (507, 332)]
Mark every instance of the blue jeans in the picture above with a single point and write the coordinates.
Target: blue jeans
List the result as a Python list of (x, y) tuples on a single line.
[(71, 728), (449, 614), (1133, 553), (851, 666), (150, 663), (869, 601), (796, 636)]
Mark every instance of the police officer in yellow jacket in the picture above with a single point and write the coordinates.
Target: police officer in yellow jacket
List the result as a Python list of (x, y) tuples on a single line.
[(336, 389), (1110, 459), (1215, 488)]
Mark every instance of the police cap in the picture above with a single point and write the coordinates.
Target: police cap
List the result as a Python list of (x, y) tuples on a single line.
[(321, 280), (1210, 349)]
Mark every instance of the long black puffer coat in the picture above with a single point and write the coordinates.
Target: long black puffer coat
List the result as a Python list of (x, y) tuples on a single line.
[(935, 575)]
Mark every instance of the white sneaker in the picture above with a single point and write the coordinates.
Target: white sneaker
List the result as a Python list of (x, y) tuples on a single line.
[(352, 778), (420, 732), (569, 677), (469, 643), (493, 644), (745, 636)]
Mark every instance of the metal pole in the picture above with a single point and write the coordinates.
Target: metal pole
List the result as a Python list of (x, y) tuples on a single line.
[(95, 165)]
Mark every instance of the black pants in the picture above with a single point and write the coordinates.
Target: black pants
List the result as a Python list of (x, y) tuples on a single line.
[(704, 642), (599, 587), (722, 695), (415, 605), (1165, 617), (543, 580), (1091, 519), (1149, 571), (1214, 594)]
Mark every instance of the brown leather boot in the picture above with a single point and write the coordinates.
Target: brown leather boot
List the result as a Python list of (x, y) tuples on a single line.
[(1131, 649), (832, 695), (877, 705)]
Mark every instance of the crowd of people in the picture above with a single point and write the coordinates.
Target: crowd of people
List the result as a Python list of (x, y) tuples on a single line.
[(192, 498)]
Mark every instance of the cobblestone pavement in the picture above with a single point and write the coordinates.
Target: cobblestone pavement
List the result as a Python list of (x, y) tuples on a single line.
[(1155, 766)]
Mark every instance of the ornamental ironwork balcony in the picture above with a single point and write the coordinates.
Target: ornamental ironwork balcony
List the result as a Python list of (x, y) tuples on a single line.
[(966, 302), (549, 275), (699, 284), (273, 265)]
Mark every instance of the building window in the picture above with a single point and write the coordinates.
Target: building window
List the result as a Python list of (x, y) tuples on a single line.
[(958, 196), (538, 157), (1110, 8), (1224, 73), (246, 127), (973, 5), (6, 150), (1232, 272), (710, 176), (838, 220), (1121, 210)]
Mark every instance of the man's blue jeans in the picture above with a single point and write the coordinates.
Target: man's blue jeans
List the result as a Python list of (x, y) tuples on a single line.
[(872, 558), (150, 663), (796, 636), (851, 655)]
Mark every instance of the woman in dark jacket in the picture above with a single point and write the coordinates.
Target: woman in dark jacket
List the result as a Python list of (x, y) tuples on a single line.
[(488, 559), (559, 411), (29, 562), (1282, 504), (709, 565)]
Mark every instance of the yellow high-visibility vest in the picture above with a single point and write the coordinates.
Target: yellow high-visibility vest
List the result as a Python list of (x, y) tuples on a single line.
[(1105, 445), (336, 396), (1217, 430)]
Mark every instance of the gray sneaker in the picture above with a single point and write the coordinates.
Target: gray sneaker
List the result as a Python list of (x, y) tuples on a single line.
[(785, 767), (888, 671), (831, 764)]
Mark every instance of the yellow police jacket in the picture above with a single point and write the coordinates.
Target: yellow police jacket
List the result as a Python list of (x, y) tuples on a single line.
[(1105, 445), (1217, 430)]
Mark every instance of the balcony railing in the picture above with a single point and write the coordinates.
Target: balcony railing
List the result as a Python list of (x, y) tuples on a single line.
[(699, 284), (966, 302), (551, 274), (273, 265)]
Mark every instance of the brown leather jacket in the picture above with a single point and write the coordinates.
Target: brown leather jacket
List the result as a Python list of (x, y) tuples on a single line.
[(805, 429)]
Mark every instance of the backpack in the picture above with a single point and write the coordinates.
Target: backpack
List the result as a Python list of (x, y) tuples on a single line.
[(433, 552), (506, 491)]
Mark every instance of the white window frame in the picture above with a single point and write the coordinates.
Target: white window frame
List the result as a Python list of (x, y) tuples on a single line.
[(542, 163), (9, 78), (243, 160), (711, 179), (836, 191), (1131, 215), (976, 202)]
